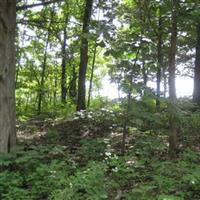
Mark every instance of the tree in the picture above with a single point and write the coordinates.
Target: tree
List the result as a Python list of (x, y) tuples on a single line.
[(7, 75), (159, 59), (172, 69), (44, 66), (63, 42), (92, 74), (196, 91), (81, 105), (63, 74)]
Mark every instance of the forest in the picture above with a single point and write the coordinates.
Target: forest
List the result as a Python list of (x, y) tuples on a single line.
[(62, 137)]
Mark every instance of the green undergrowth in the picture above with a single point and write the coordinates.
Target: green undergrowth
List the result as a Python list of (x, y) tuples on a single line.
[(50, 172), (95, 170)]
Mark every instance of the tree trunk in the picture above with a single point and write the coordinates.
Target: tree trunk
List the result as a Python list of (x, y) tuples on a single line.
[(7, 75), (159, 60), (164, 81), (92, 74), (142, 9), (144, 73), (17, 68), (172, 52), (172, 87), (55, 88), (72, 85), (196, 90), (64, 75), (84, 56), (42, 82)]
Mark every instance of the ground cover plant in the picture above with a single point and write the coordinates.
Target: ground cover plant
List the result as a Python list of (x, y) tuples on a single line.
[(49, 166)]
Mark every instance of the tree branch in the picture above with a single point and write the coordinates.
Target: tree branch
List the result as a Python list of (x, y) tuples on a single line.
[(24, 7)]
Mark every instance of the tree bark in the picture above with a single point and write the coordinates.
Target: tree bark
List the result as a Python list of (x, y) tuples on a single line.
[(64, 75), (144, 73), (196, 90), (172, 52), (7, 75), (164, 81), (159, 60), (42, 82), (72, 85), (84, 56), (92, 74), (172, 86), (55, 88)]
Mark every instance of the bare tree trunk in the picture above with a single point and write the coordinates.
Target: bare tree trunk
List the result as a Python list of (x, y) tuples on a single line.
[(72, 85), (164, 81), (64, 75), (142, 9), (84, 56), (159, 60), (92, 74), (55, 89), (18, 57), (172, 52), (41, 89), (42, 82), (17, 67), (172, 87), (7, 75), (196, 90), (144, 73)]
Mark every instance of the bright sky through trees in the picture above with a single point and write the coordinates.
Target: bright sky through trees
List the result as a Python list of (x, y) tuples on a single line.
[(184, 87)]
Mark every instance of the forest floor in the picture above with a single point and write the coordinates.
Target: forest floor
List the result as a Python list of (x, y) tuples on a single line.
[(80, 158)]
